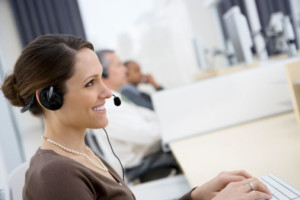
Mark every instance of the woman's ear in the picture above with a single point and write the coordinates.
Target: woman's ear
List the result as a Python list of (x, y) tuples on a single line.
[(37, 96)]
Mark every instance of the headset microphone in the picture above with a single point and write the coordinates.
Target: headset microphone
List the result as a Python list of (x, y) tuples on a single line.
[(117, 101)]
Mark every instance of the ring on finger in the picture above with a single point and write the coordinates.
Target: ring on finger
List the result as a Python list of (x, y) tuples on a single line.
[(251, 186)]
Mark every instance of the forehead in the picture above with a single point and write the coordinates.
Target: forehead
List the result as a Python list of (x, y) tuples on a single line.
[(86, 64)]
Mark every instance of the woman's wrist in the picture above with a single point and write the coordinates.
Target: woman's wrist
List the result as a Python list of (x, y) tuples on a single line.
[(197, 193)]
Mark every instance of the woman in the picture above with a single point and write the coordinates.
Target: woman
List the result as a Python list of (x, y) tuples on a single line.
[(59, 77)]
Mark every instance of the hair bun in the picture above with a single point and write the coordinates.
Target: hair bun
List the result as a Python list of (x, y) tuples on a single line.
[(11, 92)]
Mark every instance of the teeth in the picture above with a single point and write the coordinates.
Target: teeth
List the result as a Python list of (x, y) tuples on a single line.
[(99, 108)]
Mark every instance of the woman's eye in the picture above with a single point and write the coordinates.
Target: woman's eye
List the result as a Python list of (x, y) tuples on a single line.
[(90, 83)]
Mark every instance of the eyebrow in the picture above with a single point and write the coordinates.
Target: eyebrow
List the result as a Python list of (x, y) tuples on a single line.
[(94, 75)]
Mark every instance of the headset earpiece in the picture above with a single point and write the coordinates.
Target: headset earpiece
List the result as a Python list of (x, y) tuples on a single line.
[(105, 72), (50, 98)]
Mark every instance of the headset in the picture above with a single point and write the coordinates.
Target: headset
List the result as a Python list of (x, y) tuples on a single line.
[(105, 72), (51, 99)]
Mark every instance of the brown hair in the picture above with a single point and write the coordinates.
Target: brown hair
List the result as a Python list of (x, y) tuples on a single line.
[(47, 61)]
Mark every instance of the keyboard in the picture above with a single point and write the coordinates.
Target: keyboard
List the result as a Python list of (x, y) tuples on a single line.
[(280, 189)]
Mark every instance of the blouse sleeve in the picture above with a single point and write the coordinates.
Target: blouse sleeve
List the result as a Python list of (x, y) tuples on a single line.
[(187, 196)]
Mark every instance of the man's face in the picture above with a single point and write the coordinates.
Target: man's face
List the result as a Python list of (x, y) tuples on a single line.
[(117, 72), (134, 74)]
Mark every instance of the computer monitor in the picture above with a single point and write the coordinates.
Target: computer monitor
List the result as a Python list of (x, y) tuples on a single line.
[(200, 53), (239, 34), (281, 31)]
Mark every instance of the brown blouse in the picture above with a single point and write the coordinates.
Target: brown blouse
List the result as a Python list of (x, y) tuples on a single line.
[(52, 176)]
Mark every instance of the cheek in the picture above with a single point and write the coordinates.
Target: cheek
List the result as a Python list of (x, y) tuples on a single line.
[(78, 102), (121, 73)]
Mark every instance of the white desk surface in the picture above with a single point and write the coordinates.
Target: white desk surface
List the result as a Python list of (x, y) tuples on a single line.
[(269, 145)]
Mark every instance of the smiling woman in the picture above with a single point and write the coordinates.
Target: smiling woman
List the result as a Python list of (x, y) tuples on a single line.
[(67, 72), (59, 77)]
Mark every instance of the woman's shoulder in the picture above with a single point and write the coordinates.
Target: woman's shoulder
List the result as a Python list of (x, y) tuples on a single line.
[(47, 164), (49, 158), (49, 171)]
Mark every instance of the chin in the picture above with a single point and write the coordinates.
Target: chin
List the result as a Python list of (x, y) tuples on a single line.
[(103, 124)]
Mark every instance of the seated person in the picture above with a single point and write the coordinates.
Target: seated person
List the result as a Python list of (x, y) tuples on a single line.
[(69, 93), (134, 78), (133, 130)]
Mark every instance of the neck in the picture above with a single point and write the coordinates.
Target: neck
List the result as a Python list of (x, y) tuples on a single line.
[(70, 137)]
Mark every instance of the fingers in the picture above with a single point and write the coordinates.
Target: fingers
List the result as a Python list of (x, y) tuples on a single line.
[(233, 176), (150, 79), (263, 188), (242, 173), (244, 178), (144, 78), (258, 195), (248, 188), (255, 184)]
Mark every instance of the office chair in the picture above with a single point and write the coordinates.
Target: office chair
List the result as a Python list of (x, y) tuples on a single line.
[(153, 167), (16, 181)]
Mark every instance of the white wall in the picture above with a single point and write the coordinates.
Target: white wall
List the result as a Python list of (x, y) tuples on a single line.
[(156, 33), (10, 45), (2, 170)]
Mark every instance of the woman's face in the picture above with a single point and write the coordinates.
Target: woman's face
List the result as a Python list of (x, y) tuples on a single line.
[(85, 96)]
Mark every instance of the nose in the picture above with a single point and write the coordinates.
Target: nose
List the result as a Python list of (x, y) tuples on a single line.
[(105, 93)]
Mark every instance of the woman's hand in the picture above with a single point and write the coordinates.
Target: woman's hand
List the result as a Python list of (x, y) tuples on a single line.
[(224, 180), (249, 189)]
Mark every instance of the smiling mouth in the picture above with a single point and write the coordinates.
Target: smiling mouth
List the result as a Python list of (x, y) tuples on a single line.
[(99, 108)]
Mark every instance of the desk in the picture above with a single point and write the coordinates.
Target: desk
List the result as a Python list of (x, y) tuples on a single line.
[(220, 72), (269, 145)]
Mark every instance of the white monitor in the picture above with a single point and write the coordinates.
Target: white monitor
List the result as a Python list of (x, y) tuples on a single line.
[(200, 54), (239, 34)]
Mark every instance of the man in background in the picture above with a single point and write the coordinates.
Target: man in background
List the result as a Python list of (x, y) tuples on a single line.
[(134, 78), (134, 131)]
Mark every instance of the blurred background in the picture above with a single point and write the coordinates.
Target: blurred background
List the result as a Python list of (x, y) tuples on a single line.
[(184, 38)]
